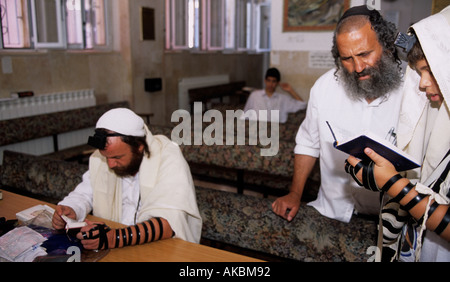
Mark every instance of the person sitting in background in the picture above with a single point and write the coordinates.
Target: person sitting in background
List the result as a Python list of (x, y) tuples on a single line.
[(269, 99), (423, 132), (134, 178)]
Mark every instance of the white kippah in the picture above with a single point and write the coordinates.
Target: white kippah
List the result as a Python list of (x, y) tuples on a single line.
[(123, 121)]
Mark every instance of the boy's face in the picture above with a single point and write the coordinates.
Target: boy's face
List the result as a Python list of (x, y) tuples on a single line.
[(271, 84), (428, 83)]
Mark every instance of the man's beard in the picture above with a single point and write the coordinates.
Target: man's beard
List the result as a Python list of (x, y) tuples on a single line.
[(132, 168), (385, 76)]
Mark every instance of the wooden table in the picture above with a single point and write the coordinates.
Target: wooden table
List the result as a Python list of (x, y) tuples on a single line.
[(169, 250)]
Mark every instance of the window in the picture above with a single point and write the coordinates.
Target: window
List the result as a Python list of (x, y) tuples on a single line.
[(92, 32), (47, 28), (95, 23), (211, 25), (263, 36), (14, 24), (230, 24), (74, 24), (74, 19), (215, 24), (183, 29)]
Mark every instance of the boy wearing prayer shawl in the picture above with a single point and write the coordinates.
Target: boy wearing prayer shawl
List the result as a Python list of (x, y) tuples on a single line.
[(134, 178), (420, 199)]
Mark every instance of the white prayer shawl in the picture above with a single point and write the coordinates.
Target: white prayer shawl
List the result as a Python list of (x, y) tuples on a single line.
[(434, 36), (166, 189), (424, 130)]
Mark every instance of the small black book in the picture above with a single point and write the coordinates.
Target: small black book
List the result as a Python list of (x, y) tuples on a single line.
[(355, 146)]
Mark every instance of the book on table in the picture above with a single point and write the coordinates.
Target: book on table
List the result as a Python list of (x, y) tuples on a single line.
[(31, 213), (355, 146)]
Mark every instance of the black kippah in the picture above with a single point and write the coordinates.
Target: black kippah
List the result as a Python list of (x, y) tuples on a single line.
[(359, 11)]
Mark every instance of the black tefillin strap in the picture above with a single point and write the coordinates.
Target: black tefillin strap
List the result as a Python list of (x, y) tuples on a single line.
[(437, 185), (101, 235), (149, 233), (368, 179), (436, 188), (99, 139), (370, 184), (368, 176)]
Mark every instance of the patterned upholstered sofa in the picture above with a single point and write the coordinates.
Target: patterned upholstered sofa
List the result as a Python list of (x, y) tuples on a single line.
[(244, 166), (248, 222), (230, 218), (44, 177)]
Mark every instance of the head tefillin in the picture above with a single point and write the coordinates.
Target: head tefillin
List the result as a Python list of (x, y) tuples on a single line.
[(100, 138), (405, 41)]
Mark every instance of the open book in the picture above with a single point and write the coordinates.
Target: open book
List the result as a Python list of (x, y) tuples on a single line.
[(355, 146), (73, 224)]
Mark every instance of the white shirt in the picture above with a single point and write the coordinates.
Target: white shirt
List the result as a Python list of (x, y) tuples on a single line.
[(339, 195), (81, 199), (285, 104)]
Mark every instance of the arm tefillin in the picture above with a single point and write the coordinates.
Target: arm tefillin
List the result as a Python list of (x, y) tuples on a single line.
[(140, 233)]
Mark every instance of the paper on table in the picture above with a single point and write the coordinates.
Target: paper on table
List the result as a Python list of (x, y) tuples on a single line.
[(20, 241)]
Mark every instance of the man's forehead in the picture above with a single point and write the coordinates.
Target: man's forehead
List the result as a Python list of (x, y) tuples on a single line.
[(116, 146), (364, 31), (362, 38), (352, 23)]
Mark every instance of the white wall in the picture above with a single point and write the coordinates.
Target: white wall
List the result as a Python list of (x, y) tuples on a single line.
[(302, 57), (409, 12)]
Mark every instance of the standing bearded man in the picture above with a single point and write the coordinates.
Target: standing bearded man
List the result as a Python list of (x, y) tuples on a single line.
[(362, 93)]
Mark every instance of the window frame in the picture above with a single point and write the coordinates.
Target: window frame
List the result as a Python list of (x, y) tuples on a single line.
[(30, 36), (260, 28), (107, 24), (24, 27), (230, 24), (208, 23), (248, 24), (171, 39), (60, 22), (81, 18)]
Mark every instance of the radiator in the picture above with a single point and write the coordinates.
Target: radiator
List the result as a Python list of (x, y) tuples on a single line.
[(43, 104), (196, 82)]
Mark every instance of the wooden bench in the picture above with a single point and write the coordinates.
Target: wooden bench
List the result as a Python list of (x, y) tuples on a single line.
[(206, 94)]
